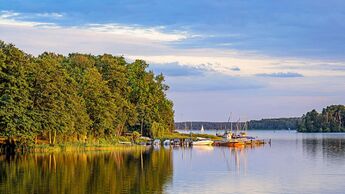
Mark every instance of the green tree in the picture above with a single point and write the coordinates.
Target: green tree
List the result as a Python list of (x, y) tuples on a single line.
[(60, 99), (100, 103), (114, 72), (330, 120), (15, 106), (61, 111)]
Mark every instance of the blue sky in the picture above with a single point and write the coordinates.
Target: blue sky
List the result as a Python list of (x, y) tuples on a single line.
[(255, 58)]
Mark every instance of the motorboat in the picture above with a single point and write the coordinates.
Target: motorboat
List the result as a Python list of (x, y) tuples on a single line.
[(166, 142), (202, 141), (157, 142)]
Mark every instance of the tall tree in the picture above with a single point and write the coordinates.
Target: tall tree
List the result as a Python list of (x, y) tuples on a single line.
[(15, 105), (100, 103), (114, 72), (56, 102)]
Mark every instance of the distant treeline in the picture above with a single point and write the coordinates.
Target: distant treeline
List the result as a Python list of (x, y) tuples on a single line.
[(79, 96), (331, 119), (269, 124)]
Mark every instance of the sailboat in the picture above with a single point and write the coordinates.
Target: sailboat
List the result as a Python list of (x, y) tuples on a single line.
[(202, 128)]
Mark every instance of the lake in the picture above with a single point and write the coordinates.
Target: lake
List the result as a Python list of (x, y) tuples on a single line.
[(293, 163)]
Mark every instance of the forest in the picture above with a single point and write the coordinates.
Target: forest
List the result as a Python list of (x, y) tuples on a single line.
[(331, 119), (263, 124), (79, 97)]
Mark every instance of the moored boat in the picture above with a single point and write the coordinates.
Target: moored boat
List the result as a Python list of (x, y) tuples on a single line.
[(176, 142), (230, 143), (202, 141), (166, 142), (157, 142)]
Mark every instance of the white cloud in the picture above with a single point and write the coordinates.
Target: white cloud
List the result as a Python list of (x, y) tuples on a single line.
[(10, 18), (250, 64), (148, 43), (150, 33), (136, 31)]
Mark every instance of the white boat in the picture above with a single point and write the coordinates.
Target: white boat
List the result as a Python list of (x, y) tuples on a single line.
[(166, 142), (202, 128), (157, 142), (202, 141)]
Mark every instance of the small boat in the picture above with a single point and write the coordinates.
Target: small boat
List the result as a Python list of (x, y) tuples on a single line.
[(166, 142), (176, 142), (157, 142), (230, 143), (202, 128), (188, 142), (219, 134), (202, 141)]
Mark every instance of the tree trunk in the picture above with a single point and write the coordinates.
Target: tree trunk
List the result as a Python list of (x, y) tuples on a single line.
[(54, 137), (50, 137), (141, 126)]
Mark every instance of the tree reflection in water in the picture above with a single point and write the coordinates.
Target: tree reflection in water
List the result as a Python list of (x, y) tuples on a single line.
[(331, 149), (139, 171)]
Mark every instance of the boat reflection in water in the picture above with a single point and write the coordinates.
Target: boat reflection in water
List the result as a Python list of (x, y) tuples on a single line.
[(215, 158)]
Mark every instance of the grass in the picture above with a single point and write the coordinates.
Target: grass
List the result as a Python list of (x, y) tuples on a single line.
[(78, 147), (111, 144)]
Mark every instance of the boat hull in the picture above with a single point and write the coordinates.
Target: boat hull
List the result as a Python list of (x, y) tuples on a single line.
[(239, 143), (200, 143), (230, 144)]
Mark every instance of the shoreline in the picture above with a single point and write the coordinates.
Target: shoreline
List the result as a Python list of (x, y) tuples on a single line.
[(105, 146), (59, 148)]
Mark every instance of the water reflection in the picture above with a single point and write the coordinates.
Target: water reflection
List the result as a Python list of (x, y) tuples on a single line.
[(139, 171), (327, 148), (209, 158), (294, 163)]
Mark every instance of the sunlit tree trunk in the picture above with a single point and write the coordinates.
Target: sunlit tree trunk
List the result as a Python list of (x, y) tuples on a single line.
[(141, 126), (54, 138), (50, 137)]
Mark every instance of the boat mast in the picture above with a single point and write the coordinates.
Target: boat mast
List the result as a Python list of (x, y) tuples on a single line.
[(245, 127), (229, 120), (238, 125)]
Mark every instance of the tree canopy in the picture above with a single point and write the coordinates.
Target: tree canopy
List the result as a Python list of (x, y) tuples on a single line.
[(331, 119), (79, 96)]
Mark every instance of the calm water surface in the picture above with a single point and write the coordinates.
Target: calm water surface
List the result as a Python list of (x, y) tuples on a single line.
[(293, 163)]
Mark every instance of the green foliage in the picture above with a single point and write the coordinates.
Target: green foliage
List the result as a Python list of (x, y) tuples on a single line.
[(15, 105), (158, 130), (149, 99), (135, 136), (331, 119), (79, 97), (263, 124)]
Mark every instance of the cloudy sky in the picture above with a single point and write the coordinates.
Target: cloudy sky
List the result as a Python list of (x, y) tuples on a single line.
[(256, 59)]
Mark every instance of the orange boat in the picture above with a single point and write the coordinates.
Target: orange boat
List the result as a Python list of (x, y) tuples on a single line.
[(230, 143)]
